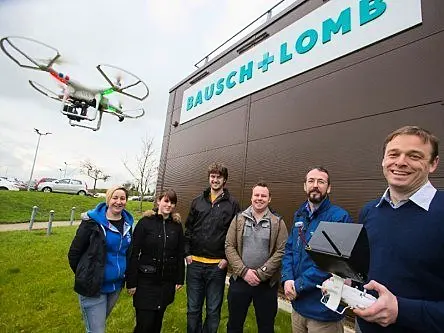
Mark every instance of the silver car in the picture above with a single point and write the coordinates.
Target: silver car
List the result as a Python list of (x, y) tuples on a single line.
[(66, 185), (7, 185)]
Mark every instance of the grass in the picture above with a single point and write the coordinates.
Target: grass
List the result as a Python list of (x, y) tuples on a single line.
[(17, 206), (37, 296)]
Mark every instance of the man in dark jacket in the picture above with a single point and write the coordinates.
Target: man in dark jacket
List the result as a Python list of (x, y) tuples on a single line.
[(205, 231), (300, 275)]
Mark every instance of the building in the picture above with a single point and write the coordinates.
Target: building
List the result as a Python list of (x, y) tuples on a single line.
[(321, 83)]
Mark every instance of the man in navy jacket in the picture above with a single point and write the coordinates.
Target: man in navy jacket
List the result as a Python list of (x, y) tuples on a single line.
[(300, 275), (406, 237)]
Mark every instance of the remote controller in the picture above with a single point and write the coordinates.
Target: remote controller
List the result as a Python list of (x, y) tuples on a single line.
[(335, 291)]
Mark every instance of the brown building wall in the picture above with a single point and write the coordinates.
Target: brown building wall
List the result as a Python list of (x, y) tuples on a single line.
[(336, 115)]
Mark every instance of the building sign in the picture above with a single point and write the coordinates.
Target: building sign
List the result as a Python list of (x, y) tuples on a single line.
[(335, 29)]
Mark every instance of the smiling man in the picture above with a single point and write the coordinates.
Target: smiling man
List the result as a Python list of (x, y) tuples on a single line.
[(205, 230), (254, 247), (406, 237), (300, 275)]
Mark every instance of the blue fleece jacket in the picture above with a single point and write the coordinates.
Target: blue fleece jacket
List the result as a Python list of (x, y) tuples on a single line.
[(298, 266), (116, 247), (407, 257)]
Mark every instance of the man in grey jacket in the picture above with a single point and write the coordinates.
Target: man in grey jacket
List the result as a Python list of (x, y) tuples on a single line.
[(254, 248)]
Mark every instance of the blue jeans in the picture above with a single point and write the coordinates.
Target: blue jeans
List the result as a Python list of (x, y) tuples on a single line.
[(204, 281), (95, 310)]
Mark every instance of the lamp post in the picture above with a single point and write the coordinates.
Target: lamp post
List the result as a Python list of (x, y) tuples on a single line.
[(66, 166), (35, 155)]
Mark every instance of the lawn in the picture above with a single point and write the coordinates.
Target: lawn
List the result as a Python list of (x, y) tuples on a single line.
[(36, 290), (17, 206)]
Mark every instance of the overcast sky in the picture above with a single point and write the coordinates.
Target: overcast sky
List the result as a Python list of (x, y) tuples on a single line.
[(160, 41)]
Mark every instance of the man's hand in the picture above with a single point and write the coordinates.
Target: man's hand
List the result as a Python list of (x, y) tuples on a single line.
[(131, 291), (289, 290), (178, 286), (222, 264), (189, 260), (251, 278), (384, 311)]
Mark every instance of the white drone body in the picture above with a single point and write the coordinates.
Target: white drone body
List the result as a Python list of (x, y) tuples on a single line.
[(83, 106), (335, 290)]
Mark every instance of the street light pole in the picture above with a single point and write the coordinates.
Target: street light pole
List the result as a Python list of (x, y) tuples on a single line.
[(66, 166), (35, 155)]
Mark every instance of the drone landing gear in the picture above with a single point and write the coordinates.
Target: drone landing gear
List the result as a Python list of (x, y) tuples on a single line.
[(77, 110)]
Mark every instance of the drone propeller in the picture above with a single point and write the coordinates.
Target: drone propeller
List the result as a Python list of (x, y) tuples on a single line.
[(133, 86), (58, 61), (26, 52), (48, 92), (119, 80)]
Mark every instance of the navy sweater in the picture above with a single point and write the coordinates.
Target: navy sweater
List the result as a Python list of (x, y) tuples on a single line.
[(407, 256)]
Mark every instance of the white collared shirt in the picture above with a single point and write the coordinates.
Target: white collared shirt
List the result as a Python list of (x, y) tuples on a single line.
[(423, 197)]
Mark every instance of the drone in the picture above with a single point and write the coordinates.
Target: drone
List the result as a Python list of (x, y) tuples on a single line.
[(82, 105)]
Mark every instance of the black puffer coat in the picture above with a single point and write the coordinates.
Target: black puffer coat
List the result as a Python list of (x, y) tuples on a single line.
[(157, 261), (87, 258)]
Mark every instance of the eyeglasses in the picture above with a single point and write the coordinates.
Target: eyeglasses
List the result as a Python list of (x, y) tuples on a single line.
[(319, 181)]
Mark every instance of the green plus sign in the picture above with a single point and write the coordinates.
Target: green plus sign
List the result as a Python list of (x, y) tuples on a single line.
[(267, 59)]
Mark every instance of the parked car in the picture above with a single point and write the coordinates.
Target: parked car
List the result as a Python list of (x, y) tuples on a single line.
[(145, 198), (7, 185), (66, 185), (17, 182), (43, 180)]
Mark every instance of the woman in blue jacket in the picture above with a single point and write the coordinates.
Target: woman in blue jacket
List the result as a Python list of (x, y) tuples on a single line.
[(98, 257)]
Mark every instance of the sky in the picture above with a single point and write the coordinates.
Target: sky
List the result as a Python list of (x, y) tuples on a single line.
[(159, 41)]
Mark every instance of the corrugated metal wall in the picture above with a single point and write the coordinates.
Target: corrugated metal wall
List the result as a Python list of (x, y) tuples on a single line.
[(336, 115)]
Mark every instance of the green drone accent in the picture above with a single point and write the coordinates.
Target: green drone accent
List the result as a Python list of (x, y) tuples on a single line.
[(108, 91), (112, 108)]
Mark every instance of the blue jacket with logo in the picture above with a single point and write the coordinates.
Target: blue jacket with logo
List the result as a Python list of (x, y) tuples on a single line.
[(298, 266), (98, 254)]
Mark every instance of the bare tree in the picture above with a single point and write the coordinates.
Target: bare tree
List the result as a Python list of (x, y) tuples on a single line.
[(91, 170), (145, 168)]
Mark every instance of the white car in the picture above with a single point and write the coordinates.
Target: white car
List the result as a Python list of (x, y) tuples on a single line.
[(66, 185), (7, 185)]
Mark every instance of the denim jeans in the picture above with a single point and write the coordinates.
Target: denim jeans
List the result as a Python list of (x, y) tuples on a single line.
[(95, 310), (204, 281)]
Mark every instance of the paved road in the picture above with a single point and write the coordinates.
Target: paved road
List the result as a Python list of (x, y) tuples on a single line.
[(35, 226)]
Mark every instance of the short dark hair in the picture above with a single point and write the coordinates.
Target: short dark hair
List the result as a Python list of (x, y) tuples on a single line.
[(262, 184), (218, 168), (168, 193), (425, 135), (321, 169)]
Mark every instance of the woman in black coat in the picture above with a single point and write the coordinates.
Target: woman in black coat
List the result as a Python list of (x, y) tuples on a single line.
[(157, 267)]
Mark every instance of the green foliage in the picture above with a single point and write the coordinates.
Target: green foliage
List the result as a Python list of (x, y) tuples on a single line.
[(17, 206), (37, 296)]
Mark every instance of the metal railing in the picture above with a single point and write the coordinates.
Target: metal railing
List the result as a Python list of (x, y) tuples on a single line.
[(268, 14)]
